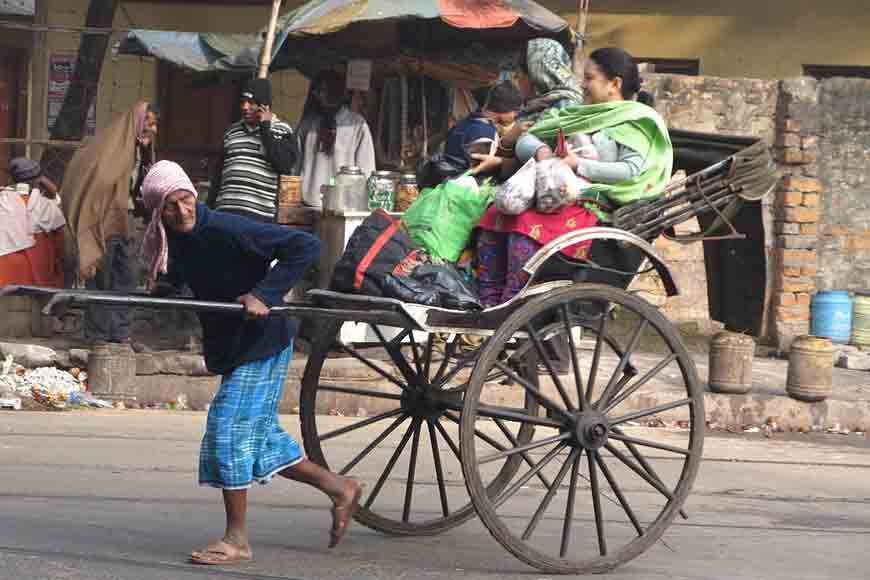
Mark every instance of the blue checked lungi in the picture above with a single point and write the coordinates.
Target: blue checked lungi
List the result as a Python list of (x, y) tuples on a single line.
[(244, 441)]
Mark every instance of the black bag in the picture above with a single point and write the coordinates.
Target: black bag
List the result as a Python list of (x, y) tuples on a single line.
[(374, 250), (382, 260), (433, 285)]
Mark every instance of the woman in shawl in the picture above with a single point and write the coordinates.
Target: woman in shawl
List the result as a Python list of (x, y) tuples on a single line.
[(551, 76), (101, 192), (630, 158)]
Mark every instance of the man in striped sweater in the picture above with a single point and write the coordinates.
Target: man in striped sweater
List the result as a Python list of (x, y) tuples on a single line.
[(256, 150)]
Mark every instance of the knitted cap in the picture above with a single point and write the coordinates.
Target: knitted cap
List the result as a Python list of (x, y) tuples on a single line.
[(259, 91)]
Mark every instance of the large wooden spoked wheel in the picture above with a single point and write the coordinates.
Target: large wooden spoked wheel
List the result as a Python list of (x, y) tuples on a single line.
[(399, 432), (617, 481)]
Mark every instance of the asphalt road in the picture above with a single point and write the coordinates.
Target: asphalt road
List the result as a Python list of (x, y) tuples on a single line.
[(110, 494)]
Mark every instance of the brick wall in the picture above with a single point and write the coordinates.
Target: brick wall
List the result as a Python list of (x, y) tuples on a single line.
[(844, 172), (797, 209), (823, 205)]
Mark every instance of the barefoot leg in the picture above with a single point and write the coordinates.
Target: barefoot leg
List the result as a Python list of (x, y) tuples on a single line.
[(343, 510), (344, 492)]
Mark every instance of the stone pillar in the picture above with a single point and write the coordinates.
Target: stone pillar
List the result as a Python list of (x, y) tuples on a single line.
[(796, 209)]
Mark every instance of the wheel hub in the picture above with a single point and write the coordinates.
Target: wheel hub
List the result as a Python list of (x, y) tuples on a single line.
[(427, 403), (592, 430)]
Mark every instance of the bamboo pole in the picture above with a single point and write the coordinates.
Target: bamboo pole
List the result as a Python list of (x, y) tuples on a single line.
[(582, 23), (266, 58)]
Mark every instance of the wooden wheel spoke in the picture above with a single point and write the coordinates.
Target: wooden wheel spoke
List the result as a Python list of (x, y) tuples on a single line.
[(619, 495), (526, 457), (509, 492), (360, 392), (523, 448), (575, 362), (568, 522), (646, 465), (551, 493), (415, 353), (543, 399), (640, 471), (439, 470), (389, 376), (389, 468), (449, 350), (461, 365), (480, 434), (412, 469), (396, 340), (596, 503), (395, 351), (596, 356), (622, 396), (450, 442), (371, 446), (612, 385), (427, 360), (514, 415), (650, 411), (361, 424), (542, 356), (646, 443)]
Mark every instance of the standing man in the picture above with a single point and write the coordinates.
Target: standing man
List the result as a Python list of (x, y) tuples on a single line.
[(332, 136), (256, 150), (224, 257), (101, 196)]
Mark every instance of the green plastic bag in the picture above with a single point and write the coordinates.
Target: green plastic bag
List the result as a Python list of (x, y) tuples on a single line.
[(442, 218)]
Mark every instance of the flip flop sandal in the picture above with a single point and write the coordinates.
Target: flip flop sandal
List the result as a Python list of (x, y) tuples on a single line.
[(214, 556)]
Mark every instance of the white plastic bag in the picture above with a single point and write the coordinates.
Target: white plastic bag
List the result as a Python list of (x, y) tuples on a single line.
[(517, 194), (556, 186)]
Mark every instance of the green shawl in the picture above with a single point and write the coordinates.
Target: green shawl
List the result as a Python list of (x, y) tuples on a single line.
[(629, 123)]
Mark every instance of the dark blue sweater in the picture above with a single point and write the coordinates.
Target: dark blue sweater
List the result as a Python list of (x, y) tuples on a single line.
[(226, 256), (473, 127)]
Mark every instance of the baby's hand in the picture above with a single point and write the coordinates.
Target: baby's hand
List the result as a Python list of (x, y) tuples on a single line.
[(487, 163), (587, 152)]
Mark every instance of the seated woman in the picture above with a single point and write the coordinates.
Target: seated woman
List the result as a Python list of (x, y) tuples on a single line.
[(634, 161)]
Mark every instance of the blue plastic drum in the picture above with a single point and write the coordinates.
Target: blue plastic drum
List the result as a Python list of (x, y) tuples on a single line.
[(832, 315)]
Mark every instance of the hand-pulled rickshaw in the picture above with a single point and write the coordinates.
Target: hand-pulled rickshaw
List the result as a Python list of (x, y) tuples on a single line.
[(552, 452)]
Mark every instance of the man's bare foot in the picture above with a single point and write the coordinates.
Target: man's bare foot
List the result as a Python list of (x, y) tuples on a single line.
[(222, 553), (343, 509)]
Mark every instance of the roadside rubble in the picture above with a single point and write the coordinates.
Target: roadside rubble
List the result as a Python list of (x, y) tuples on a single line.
[(768, 429), (40, 377), (851, 357), (47, 386)]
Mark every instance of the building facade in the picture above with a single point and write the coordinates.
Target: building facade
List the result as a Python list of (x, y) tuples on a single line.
[(773, 39)]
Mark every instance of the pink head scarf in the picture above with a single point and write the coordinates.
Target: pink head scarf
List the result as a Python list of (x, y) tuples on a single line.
[(165, 177)]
